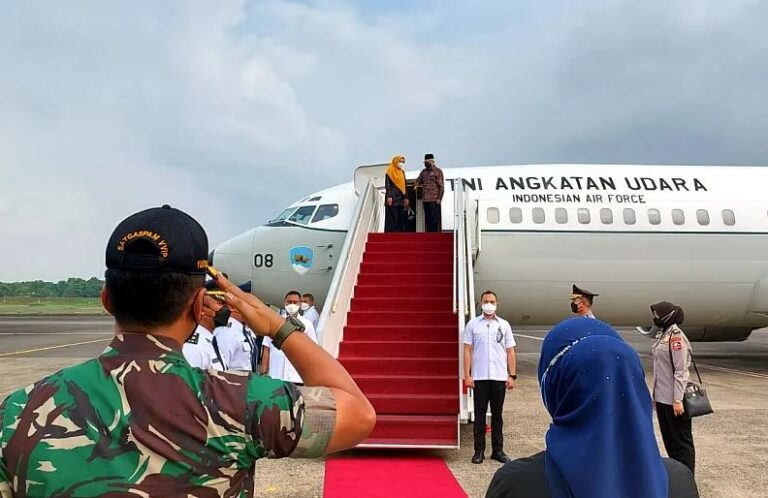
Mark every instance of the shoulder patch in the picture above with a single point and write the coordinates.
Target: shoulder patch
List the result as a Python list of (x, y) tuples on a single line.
[(677, 345), (677, 339), (194, 338)]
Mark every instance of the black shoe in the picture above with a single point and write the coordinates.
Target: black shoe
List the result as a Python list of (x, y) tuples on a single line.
[(500, 457), (478, 458)]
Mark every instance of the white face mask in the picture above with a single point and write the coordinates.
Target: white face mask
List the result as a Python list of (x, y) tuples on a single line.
[(401, 165), (489, 309), (292, 309), (305, 306)]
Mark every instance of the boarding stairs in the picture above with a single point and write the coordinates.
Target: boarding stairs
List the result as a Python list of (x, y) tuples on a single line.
[(393, 317)]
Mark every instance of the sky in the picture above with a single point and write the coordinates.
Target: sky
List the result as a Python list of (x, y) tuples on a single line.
[(231, 110)]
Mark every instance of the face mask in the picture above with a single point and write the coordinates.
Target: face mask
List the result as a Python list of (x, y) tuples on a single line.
[(489, 309), (401, 165), (658, 322), (292, 309), (574, 307), (221, 318), (304, 306)]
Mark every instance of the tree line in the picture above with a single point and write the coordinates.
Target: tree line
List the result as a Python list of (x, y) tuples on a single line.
[(71, 287)]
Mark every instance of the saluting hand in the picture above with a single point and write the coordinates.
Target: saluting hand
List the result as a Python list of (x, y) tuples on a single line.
[(259, 317)]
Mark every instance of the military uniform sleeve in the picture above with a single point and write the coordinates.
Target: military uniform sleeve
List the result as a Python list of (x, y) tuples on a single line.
[(679, 348), (5, 484), (290, 421)]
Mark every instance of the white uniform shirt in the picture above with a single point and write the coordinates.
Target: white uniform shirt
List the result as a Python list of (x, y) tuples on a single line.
[(199, 351), (312, 315), (490, 339), (234, 347), (279, 366)]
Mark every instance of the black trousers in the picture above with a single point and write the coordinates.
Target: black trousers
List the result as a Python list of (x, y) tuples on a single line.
[(677, 435), (394, 218), (432, 217), (492, 391)]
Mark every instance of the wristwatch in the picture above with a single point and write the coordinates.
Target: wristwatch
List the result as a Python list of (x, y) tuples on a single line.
[(514, 376), (291, 325)]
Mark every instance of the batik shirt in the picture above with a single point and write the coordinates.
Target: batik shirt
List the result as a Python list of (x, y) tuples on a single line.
[(140, 421)]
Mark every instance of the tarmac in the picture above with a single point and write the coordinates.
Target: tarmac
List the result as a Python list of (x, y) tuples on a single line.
[(731, 445)]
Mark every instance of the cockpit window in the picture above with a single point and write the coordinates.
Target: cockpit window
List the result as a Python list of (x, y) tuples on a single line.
[(302, 215), (325, 211), (284, 215)]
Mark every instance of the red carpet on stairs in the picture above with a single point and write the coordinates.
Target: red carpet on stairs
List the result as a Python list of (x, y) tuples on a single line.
[(401, 341), (390, 476)]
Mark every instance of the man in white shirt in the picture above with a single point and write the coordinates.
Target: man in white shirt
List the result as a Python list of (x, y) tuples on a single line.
[(236, 344), (274, 362), (308, 310), (581, 301), (200, 350), (490, 368)]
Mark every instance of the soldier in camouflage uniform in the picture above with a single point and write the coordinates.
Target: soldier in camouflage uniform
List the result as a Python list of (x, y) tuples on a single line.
[(140, 421)]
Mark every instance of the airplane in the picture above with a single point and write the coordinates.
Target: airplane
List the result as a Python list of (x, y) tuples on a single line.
[(693, 235)]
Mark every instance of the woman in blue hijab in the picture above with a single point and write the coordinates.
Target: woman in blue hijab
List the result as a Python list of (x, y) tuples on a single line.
[(600, 443)]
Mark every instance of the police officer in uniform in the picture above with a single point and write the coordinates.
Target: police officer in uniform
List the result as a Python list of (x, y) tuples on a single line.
[(139, 420), (581, 301), (490, 368), (202, 349), (671, 363)]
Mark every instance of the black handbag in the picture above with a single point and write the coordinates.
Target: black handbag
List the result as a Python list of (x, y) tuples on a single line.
[(695, 400)]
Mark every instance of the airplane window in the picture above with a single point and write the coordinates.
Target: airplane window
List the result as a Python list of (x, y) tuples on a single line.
[(654, 216), (702, 215), (516, 215), (629, 216), (538, 216), (606, 216), (325, 211), (285, 214), (729, 218), (583, 215), (493, 215), (302, 215), (678, 217), (561, 215)]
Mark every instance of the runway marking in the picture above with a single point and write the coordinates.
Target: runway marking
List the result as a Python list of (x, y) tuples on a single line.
[(702, 365), (15, 353), (528, 336)]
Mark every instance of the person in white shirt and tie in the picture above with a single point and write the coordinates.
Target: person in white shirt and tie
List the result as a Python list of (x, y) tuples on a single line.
[(490, 368), (581, 302)]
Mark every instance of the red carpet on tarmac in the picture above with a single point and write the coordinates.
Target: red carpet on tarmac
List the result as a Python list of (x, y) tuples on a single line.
[(390, 476)]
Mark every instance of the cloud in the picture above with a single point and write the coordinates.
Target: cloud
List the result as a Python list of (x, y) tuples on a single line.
[(231, 110)]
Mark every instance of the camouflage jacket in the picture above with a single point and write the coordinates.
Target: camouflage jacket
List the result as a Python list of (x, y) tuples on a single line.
[(140, 421)]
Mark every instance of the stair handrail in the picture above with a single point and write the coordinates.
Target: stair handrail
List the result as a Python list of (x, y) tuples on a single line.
[(365, 219)]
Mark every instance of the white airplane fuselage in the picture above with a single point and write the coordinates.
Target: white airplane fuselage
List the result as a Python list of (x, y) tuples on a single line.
[(693, 235)]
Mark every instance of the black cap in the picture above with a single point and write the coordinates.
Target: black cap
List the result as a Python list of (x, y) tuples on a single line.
[(429, 156), (576, 292), (161, 239)]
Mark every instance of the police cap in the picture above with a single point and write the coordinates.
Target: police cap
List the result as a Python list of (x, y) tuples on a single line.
[(577, 292)]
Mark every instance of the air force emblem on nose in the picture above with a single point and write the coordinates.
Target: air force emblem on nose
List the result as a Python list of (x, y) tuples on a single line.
[(302, 259)]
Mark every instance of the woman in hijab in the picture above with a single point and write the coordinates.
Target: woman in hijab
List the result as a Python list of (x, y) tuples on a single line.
[(671, 362), (396, 198), (600, 443)]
